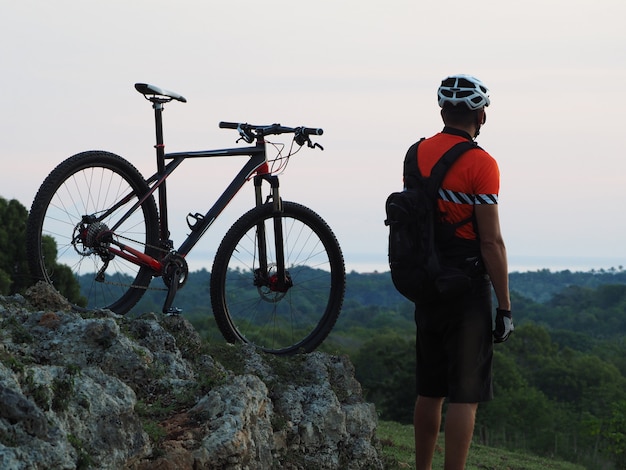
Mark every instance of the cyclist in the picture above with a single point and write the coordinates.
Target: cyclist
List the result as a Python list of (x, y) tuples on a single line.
[(454, 336)]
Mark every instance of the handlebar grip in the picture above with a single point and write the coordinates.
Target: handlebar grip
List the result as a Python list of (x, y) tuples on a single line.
[(312, 131), (228, 125)]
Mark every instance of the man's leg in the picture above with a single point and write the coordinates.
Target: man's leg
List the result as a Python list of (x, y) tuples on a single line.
[(459, 429), (427, 422)]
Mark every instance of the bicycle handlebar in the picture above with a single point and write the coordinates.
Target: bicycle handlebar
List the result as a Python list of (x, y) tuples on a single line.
[(253, 130), (311, 130)]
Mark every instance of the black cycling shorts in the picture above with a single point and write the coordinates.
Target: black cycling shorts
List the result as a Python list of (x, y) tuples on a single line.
[(455, 346)]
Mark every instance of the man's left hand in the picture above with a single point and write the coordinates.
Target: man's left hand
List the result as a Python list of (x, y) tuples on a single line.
[(504, 326)]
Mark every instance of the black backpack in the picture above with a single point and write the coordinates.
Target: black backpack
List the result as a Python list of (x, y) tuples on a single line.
[(412, 217)]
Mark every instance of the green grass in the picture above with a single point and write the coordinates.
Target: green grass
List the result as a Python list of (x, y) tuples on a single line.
[(398, 451)]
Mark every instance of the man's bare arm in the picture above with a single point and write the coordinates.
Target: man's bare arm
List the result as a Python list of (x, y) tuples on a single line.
[(493, 252)]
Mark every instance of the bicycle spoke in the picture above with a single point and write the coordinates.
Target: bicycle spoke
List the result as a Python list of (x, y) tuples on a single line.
[(250, 306), (81, 189)]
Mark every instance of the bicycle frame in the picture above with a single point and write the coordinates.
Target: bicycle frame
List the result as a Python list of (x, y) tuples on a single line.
[(157, 182)]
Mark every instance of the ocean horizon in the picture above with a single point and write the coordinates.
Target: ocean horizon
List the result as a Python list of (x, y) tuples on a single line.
[(365, 264), (368, 263)]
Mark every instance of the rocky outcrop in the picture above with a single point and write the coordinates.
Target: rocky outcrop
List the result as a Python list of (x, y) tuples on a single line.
[(99, 390)]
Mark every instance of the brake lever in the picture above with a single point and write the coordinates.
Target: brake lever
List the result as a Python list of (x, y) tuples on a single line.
[(245, 135), (301, 139)]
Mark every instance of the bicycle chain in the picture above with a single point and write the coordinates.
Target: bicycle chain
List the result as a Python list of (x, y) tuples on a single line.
[(119, 284)]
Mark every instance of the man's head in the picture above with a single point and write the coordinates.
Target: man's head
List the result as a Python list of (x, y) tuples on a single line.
[(463, 99)]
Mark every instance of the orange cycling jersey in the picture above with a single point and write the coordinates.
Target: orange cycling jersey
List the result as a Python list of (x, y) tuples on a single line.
[(473, 179)]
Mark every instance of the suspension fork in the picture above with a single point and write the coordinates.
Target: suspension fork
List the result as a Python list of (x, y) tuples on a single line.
[(281, 281)]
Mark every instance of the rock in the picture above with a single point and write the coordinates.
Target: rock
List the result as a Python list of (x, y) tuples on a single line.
[(102, 391), (43, 296)]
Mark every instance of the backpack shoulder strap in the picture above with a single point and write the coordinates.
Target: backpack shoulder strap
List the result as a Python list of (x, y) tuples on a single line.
[(412, 174), (433, 183), (411, 171), (442, 166)]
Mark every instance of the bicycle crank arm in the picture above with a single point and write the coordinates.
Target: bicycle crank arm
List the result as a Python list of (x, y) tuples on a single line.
[(171, 293)]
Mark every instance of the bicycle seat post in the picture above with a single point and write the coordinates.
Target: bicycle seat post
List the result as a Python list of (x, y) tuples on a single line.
[(158, 107), (157, 104)]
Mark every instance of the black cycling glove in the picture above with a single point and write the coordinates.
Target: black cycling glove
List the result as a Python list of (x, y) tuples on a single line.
[(504, 326)]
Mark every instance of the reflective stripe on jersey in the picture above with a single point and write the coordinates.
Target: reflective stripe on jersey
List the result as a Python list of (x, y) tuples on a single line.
[(462, 198)]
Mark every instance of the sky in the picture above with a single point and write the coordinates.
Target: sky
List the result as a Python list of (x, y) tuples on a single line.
[(366, 72)]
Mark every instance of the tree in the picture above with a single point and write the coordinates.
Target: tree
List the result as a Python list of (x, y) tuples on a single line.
[(385, 367), (520, 415), (615, 434), (14, 273)]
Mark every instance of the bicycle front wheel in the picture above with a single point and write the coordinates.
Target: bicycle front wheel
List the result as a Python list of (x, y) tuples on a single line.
[(247, 303), (70, 228)]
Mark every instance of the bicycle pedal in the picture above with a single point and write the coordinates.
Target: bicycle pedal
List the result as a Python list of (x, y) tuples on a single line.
[(172, 311), (197, 217)]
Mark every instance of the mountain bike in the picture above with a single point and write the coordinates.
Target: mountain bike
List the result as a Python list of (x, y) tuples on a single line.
[(278, 276)]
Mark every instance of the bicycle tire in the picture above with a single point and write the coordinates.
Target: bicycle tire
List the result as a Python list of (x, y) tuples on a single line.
[(89, 183), (282, 323)]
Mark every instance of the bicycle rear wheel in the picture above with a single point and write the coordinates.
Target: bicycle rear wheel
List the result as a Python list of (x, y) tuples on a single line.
[(246, 303), (66, 236)]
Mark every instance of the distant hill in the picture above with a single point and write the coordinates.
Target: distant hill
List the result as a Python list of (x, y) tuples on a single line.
[(591, 303), (542, 285), (375, 290)]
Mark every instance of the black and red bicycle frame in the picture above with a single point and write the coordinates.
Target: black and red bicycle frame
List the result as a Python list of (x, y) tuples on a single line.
[(256, 166)]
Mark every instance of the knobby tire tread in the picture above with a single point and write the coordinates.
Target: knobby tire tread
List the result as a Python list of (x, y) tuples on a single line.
[(47, 191), (229, 244)]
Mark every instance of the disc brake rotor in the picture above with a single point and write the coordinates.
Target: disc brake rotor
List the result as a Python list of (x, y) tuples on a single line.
[(268, 288)]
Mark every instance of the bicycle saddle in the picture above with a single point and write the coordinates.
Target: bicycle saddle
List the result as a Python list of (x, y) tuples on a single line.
[(147, 89)]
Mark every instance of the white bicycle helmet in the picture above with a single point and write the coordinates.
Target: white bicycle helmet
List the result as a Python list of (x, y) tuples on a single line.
[(463, 89)]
